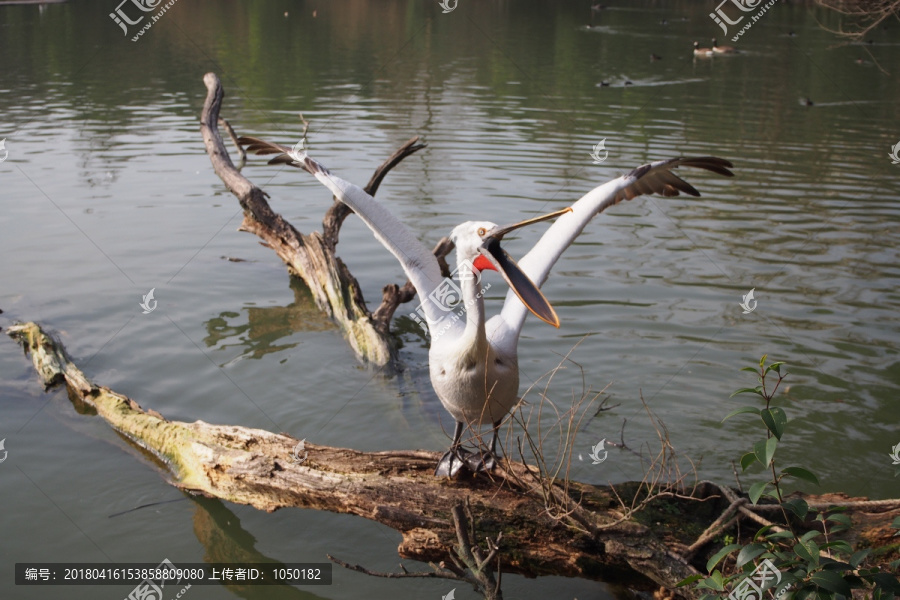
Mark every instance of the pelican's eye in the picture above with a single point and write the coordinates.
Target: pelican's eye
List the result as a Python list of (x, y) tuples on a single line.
[(481, 232)]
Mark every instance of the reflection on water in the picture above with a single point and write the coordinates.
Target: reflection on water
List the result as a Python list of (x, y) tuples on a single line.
[(267, 325), (107, 193)]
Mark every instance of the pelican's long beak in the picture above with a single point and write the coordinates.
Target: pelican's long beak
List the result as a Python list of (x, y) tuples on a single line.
[(530, 294)]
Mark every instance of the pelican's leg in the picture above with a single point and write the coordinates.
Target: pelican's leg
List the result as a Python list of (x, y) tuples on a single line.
[(453, 460), (485, 461)]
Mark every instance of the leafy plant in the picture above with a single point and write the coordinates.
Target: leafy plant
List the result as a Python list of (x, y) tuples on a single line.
[(811, 564)]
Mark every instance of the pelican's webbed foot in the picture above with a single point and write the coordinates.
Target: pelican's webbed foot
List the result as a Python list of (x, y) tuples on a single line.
[(452, 461), (481, 462)]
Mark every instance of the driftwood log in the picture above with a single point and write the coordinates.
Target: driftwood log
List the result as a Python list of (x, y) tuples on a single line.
[(645, 549), (312, 257)]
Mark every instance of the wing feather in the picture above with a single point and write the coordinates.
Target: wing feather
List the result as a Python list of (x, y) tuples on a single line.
[(652, 178)]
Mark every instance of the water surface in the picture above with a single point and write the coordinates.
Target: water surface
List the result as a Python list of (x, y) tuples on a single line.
[(107, 192)]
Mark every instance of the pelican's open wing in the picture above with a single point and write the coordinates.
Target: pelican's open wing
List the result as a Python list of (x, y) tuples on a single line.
[(653, 178), (417, 260)]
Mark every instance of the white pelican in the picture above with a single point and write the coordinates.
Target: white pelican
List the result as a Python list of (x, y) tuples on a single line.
[(473, 362)]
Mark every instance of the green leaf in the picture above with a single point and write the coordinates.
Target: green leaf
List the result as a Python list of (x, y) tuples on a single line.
[(765, 450), (714, 560), (887, 582), (801, 473), (843, 523), (840, 545), (715, 582), (775, 366), (808, 551), (860, 556), (757, 390), (778, 535), (751, 369), (810, 535), (775, 420), (740, 411), (747, 460), (839, 518), (756, 490), (763, 531), (689, 579), (749, 552), (831, 581), (762, 361), (798, 506)]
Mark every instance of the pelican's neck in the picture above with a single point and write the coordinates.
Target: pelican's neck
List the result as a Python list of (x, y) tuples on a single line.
[(473, 289)]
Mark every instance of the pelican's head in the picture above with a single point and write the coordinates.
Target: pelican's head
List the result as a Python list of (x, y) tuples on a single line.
[(478, 244)]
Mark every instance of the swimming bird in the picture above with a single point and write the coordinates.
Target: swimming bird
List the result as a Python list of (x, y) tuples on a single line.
[(473, 361), (702, 52), (722, 49), (655, 57)]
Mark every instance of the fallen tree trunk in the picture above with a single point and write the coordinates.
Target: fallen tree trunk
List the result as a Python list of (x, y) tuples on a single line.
[(397, 488)]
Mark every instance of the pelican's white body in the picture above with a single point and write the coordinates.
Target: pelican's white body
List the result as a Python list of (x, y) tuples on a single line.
[(474, 364)]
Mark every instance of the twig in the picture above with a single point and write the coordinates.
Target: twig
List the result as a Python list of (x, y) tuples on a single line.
[(470, 564), (737, 479), (725, 520), (234, 140)]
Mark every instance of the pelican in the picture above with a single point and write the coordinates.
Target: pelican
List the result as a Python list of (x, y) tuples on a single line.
[(473, 361)]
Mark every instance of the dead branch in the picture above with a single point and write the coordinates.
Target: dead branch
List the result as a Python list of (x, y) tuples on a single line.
[(863, 15), (312, 257)]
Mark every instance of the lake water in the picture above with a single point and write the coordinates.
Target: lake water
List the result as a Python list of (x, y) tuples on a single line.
[(107, 192)]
